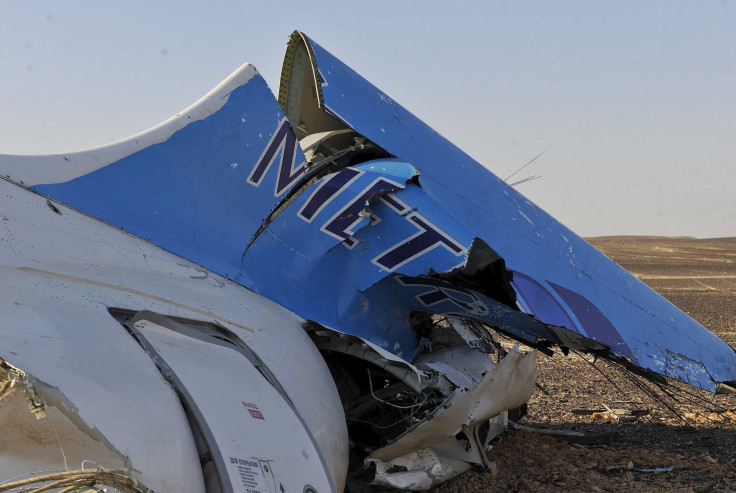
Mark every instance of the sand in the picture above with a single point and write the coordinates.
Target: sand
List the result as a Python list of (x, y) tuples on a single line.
[(695, 438)]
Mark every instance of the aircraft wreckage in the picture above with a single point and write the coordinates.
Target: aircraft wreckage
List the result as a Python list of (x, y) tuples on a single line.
[(292, 295)]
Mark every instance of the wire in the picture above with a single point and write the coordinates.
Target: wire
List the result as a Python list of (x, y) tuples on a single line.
[(599, 371), (525, 180), (30, 474), (652, 393), (385, 426), (58, 441), (70, 480), (416, 404), (527, 164)]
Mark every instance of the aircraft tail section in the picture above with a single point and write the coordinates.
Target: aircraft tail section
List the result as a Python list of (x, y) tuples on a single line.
[(558, 277), (198, 185)]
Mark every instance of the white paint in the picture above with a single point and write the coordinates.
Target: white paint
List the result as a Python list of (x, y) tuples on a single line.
[(85, 358), (61, 167), (526, 217), (431, 454), (424, 469), (58, 275), (247, 417), (507, 386)]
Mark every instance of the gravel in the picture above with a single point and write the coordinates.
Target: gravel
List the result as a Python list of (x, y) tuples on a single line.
[(680, 428)]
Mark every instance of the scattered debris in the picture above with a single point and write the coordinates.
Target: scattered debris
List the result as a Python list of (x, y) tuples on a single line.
[(619, 414), (577, 437), (544, 431), (609, 413), (656, 470), (493, 469), (636, 413), (533, 462)]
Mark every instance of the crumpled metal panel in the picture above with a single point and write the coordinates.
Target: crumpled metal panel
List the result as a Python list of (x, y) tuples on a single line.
[(203, 188), (60, 272), (561, 279), (425, 469), (363, 251), (508, 385)]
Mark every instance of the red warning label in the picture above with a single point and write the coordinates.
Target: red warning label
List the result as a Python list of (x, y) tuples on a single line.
[(253, 410)]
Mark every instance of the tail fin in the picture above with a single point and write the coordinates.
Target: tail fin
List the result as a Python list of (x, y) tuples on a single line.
[(198, 185)]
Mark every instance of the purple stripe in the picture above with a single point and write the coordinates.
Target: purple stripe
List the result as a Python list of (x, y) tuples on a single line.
[(543, 305), (594, 321)]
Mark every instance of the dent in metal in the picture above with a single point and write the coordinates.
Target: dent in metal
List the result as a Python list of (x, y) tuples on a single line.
[(39, 396), (506, 386)]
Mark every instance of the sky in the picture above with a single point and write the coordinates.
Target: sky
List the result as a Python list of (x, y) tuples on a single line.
[(634, 103)]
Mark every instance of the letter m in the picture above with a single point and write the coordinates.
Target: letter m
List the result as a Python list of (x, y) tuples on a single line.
[(282, 144)]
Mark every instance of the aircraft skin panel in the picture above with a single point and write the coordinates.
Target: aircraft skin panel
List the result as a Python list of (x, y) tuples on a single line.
[(206, 276), (641, 324), (62, 270), (204, 192), (201, 193), (244, 414), (116, 397), (367, 251), (64, 166), (300, 248)]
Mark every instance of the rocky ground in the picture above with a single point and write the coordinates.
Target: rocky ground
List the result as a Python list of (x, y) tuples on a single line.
[(678, 427)]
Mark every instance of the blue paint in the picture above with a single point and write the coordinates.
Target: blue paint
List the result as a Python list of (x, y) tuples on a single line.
[(353, 250), (282, 148), (596, 323), (540, 302), (629, 316), (190, 194), (327, 273), (327, 191)]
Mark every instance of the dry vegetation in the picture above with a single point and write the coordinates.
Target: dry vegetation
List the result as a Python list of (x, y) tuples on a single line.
[(682, 430)]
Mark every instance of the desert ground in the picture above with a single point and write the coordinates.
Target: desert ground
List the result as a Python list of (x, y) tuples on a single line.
[(677, 427)]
